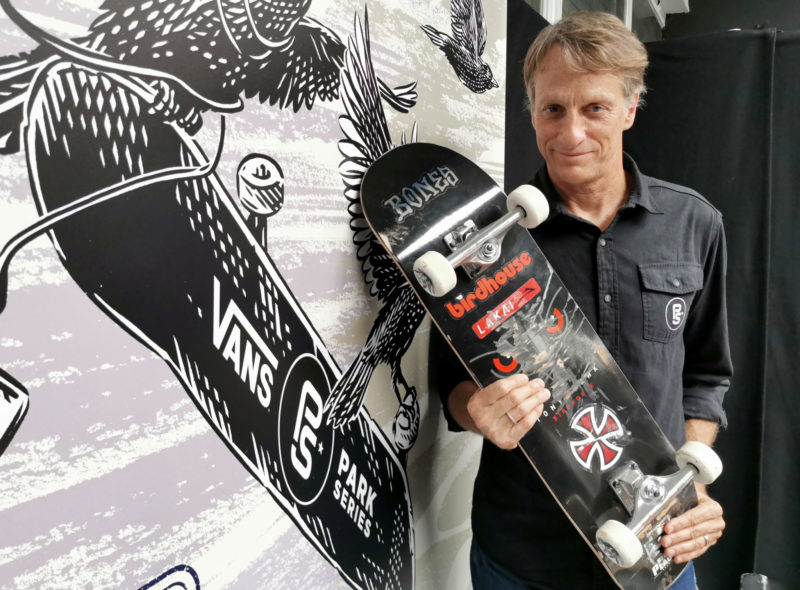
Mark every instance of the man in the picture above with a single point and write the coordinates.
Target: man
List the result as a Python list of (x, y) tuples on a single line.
[(645, 260)]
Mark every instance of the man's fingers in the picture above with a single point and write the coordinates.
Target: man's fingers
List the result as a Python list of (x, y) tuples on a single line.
[(711, 530), (528, 411), (503, 395), (694, 532), (517, 401), (490, 395), (706, 510), (506, 410), (692, 549)]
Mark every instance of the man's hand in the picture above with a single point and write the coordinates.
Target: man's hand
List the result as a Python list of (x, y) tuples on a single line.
[(503, 412), (691, 534)]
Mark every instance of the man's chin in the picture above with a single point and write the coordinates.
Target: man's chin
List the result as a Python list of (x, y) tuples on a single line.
[(572, 173)]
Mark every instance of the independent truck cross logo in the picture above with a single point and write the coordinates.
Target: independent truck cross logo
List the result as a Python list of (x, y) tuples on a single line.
[(600, 428)]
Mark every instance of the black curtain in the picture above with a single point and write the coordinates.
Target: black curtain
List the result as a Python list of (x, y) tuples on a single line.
[(777, 539), (722, 117), (522, 156)]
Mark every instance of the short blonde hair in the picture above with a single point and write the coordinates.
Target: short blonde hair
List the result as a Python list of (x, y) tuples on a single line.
[(591, 42)]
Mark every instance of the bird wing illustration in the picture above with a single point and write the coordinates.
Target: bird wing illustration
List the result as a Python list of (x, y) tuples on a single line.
[(469, 25), (306, 69), (366, 138)]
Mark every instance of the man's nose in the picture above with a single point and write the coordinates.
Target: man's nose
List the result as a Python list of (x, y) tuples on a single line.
[(573, 127)]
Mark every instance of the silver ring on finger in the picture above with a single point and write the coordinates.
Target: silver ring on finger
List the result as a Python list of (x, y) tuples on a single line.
[(510, 417), (705, 538)]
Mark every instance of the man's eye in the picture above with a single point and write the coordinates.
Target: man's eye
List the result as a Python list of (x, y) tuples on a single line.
[(596, 108), (551, 108)]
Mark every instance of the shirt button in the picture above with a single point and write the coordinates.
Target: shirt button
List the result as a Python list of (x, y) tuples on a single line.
[(602, 242), (607, 298), (676, 283)]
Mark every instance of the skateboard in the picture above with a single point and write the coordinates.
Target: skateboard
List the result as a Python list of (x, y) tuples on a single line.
[(156, 241), (464, 248)]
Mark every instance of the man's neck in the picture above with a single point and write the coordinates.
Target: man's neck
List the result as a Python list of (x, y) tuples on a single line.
[(597, 202)]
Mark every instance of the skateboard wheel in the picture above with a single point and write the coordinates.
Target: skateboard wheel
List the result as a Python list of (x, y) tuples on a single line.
[(532, 201), (619, 543), (435, 274), (703, 460)]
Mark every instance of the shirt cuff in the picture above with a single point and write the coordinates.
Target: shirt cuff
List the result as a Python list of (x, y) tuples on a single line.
[(452, 425), (705, 403)]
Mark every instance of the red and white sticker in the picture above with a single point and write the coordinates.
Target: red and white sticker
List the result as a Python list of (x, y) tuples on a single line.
[(600, 428), (506, 309)]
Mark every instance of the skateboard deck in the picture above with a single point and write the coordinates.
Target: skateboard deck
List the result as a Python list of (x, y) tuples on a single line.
[(173, 262), (596, 446)]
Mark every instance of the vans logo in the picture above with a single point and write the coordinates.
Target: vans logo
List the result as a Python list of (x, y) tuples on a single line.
[(412, 198), (486, 286), (242, 346)]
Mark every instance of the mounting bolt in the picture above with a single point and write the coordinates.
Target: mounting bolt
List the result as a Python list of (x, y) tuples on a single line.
[(652, 490)]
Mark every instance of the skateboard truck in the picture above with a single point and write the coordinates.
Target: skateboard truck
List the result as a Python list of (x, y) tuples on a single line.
[(650, 502), (475, 252), (476, 249)]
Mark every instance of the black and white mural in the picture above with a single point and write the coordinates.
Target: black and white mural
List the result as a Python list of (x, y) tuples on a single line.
[(205, 357), (464, 48)]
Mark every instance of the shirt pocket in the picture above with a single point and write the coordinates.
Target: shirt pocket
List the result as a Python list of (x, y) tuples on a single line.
[(668, 289)]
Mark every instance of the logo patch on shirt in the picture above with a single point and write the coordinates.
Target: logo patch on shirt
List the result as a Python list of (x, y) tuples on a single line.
[(675, 313)]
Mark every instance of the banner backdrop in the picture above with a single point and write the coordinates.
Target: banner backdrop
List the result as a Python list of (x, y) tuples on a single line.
[(209, 376)]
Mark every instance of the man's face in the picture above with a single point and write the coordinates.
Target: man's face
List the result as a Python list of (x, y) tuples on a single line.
[(579, 119)]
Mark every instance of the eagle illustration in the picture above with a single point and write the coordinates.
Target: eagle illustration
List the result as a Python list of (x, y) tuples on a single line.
[(366, 139), (465, 48)]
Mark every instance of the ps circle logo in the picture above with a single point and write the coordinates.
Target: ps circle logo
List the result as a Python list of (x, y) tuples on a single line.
[(305, 441), (675, 313)]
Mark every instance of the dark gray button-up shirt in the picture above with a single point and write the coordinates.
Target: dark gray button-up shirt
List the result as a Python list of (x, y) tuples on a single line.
[(653, 287)]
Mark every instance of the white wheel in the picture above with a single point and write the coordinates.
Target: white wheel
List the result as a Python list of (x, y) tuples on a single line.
[(702, 458), (435, 274), (532, 201), (619, 543)]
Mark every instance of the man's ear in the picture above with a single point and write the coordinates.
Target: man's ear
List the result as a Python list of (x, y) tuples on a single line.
[(630, 110)]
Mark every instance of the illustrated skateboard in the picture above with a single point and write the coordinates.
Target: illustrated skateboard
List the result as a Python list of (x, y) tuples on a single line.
[(489, 289), (158, 244)]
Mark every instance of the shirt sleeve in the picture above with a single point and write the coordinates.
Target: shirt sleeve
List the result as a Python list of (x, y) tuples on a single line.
[(445, 371), (707, 368)]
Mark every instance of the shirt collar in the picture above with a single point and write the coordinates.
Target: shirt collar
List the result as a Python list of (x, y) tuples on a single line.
[(639, 196), (640, 191)]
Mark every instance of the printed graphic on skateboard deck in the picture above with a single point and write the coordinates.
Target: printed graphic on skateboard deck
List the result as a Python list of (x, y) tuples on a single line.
[(164, 251), (503, 309)]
